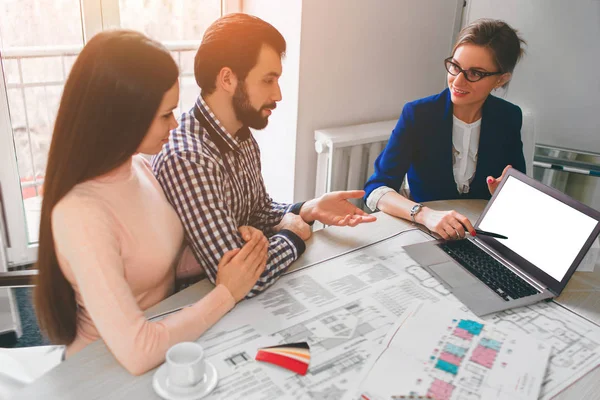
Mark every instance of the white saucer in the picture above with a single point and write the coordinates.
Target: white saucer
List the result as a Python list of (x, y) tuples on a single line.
[(160, 383)]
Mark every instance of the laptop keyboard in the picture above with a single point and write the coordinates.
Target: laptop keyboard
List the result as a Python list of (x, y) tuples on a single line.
[(496, 276)]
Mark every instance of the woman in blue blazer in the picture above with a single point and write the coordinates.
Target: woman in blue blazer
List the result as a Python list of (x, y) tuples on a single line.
[(452, 145)]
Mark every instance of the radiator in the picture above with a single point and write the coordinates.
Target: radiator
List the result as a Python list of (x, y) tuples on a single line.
[(346, 155)]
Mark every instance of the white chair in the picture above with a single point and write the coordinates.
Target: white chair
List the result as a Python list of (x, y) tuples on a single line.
[(9, 314), (21, 366), (528, 139)]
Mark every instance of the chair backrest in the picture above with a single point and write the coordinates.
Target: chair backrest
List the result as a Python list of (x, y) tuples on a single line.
[(21, 278), (528, 139), (9, 311)]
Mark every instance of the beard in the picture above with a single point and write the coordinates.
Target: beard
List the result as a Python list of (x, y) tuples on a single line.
[(245, 113)]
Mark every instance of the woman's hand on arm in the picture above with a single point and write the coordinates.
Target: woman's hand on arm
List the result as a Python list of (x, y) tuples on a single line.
[(249, 232), (239, 269)]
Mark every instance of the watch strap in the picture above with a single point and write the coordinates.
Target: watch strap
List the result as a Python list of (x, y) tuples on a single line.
[(415, 210)]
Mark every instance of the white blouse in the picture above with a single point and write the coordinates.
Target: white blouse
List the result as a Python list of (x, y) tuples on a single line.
[(465, 143)]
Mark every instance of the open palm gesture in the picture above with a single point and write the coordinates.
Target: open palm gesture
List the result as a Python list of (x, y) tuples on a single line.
[(335, 209)]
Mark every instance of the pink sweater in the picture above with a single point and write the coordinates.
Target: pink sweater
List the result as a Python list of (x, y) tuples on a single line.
[(118, 241)]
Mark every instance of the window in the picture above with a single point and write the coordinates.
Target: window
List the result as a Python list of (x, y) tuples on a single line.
[(179, 24), (35, 64)]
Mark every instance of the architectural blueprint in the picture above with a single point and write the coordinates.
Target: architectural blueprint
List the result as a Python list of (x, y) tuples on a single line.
[(443, 352), (344, 308), (575, 342)]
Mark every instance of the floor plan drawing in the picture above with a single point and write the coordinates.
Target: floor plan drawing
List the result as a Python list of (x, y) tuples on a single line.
[(575, 341), (345, 306)]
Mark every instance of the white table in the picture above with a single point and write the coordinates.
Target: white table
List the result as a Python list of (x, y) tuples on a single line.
[(95, 373)]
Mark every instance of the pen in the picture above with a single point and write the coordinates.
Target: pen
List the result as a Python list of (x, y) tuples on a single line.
[(491, 234)]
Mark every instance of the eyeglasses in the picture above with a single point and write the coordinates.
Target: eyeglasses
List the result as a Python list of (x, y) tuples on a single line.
[(472, 75)]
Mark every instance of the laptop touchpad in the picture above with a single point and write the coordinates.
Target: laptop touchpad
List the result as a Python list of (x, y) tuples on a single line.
[(453, 275)]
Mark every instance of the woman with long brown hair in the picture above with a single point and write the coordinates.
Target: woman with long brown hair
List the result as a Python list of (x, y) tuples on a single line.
[(109, 240)]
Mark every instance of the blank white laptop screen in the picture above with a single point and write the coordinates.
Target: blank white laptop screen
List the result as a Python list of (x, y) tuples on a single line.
[(544, 231)]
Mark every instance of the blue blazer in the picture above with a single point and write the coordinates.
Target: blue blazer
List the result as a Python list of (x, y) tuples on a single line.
[(421, 148)]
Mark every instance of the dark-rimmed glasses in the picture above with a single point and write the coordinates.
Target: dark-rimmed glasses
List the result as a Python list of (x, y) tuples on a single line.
[(472, 75)]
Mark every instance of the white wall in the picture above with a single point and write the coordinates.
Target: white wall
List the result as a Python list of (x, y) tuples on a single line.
[(558, 79), (361, 61), (278, 140), (348, 62)]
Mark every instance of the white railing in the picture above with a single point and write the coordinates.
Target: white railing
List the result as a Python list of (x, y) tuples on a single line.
[(34, 52)]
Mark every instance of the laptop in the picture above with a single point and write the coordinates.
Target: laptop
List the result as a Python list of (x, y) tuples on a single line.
[(548, 234)]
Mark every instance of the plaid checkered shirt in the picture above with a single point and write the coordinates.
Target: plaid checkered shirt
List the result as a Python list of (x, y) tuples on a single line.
[(213, 180)]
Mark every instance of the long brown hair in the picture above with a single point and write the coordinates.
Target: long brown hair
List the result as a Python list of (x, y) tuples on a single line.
[(108, 104)]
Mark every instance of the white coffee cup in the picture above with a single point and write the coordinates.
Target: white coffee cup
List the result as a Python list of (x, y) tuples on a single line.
[(185, 364)]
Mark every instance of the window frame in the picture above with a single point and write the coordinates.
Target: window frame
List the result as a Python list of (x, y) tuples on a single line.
[(96, 16)]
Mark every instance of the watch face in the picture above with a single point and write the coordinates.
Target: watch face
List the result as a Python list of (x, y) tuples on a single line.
[(415, 209)]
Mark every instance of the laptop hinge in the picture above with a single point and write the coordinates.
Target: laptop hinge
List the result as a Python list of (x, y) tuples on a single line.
[(533, 282)]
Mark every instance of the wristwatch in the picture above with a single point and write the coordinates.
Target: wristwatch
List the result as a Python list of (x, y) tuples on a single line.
[(414, 210)]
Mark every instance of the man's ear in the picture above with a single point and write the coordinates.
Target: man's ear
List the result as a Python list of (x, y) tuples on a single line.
[(503, 80), (227, 80)]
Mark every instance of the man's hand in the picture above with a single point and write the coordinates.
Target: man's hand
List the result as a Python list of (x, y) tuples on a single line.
[(494, 182), (296, 224), (335, 209)]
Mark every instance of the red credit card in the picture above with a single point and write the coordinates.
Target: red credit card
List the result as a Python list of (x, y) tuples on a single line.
[(293, 356)]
